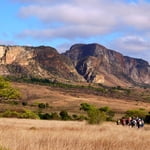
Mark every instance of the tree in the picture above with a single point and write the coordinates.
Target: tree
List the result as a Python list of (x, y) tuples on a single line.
[(7, 91)]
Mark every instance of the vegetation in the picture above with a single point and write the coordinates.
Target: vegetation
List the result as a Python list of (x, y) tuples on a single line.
[(13, 114), (64, 115), (21, 134), (43, 105), (99, 89), (7, 91), (108, 112), (95, 115), (147, 118), (136, 113)]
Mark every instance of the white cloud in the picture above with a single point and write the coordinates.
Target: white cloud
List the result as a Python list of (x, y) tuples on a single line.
[(133, 45), (97, 14), (89, 19)]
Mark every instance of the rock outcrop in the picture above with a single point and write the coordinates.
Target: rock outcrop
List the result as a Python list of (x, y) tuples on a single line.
[(40, 62), (101, 65)]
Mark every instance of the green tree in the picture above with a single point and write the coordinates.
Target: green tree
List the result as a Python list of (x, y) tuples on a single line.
[(7, 91)]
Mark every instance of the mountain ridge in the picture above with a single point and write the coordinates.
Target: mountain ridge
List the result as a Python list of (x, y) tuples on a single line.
[(91, 63), (99, 64)]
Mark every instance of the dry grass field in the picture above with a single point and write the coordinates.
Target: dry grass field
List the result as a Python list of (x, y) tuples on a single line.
[(70, 100), (21, 134)]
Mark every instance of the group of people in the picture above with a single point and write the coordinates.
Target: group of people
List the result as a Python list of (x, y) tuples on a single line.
[(131, 122)]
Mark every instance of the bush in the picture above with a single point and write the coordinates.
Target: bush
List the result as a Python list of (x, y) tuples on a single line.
[(55, 116), (86, 107), (95, 116), (10, 114), (14, 114), (136, 113), (29, 114), (42, 105), (45, 116), (108, 112), (64, 115), (147, 118)]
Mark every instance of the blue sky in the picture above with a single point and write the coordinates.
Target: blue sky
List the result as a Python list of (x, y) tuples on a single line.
[(122, 25)]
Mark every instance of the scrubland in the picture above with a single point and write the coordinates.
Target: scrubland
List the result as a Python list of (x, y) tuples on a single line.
[(22, 134)]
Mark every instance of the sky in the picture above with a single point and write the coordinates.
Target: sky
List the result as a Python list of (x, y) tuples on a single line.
[(121, 25)]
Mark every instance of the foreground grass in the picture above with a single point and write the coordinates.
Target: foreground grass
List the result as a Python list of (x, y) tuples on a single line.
[(21, 134)]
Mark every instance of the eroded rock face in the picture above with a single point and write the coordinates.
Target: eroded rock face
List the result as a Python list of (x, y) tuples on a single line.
[(91, 63), (43, 62), (101, 65)]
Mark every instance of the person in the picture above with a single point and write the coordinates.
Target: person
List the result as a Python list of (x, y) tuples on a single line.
[(118, 122), (133, 122)]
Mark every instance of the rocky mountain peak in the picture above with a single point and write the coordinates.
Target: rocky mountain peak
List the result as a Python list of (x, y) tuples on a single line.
[(101, 65)]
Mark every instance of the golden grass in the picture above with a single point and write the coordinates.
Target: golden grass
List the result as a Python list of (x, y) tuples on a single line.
[(21, 134)]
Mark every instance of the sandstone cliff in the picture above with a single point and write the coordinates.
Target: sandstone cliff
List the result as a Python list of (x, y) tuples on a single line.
[(40, 62), (101, 65)]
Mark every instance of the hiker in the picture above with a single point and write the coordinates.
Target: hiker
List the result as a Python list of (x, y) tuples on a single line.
[(134, 122), (118, 122), (140, 123), (123, 121)]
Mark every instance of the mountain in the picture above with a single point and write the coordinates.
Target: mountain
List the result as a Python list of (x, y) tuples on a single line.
[(91, 63), (39, 62), (98, 64)]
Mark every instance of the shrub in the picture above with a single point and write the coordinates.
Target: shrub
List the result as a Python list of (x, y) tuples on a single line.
[(24, 103), (147, 119), (42, 105), (64, 115), (10, 114), (108, 112), (45, 116), (55, 116), (136, 113), (95, 116), (29, 114), (86, 107)]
